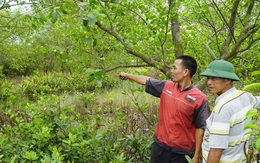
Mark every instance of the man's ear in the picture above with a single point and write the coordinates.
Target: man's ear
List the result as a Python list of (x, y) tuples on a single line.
[(186, 72), (228, 81)]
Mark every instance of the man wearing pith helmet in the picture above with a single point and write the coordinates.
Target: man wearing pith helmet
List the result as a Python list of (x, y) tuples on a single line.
[(225, 136)]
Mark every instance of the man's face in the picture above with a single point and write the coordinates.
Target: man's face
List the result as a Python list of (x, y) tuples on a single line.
[(218, 85), (177, 71)]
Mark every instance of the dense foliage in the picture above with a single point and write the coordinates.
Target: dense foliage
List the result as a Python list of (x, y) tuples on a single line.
[(59, 58), (53, 134)]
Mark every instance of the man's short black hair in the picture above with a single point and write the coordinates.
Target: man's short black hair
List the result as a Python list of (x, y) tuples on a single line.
[(189, 63)]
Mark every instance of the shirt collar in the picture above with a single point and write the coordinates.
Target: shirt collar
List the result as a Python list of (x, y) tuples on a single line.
[(188, 88), (229, 91)]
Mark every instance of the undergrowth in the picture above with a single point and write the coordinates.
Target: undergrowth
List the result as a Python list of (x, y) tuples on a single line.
[(105, 125)]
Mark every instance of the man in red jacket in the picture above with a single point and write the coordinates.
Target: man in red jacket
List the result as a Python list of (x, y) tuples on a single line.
[(182, 113)]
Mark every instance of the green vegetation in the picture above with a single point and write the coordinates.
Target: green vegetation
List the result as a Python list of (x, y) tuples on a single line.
[(61, 100), (76, 127), (254, 113)]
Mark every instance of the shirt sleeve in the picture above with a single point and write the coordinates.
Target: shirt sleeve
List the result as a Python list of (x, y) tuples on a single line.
[(201, 115), (219, 130), (154, 86)]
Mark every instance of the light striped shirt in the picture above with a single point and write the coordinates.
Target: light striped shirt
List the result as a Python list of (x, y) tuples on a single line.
[(225, 126)]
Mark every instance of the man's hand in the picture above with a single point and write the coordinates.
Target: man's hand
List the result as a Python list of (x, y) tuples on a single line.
[(196, 159), (123, 76), (136, 78)]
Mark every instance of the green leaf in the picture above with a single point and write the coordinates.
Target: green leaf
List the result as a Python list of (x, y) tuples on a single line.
[(54, 16), (257, 144), (90, 71), (83, 5), (92, 19), (252, 86), (252, 124), (30, 155), (85, 22), (255, 73), (252, 113), (94, 42), (99, 75), (93, 2), (99, 83), (188, 159), (91, 78), (250, 132), (14, 159)]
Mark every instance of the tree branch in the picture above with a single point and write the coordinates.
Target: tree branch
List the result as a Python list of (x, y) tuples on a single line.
[(231, 27), (176, 36), (249, 12), (208, 49), (126, 66), (128, 48), (163, 41), (251, 43), (202, 84), (247, 32), (223, 18)]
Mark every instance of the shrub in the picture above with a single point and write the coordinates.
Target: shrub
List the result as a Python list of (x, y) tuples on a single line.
[(40, 133), (55, 83)]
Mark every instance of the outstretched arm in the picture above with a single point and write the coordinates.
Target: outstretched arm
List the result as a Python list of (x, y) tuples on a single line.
[(136, 78)]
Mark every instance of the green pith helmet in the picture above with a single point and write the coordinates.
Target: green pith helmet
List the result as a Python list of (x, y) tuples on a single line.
[(221, 69)]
